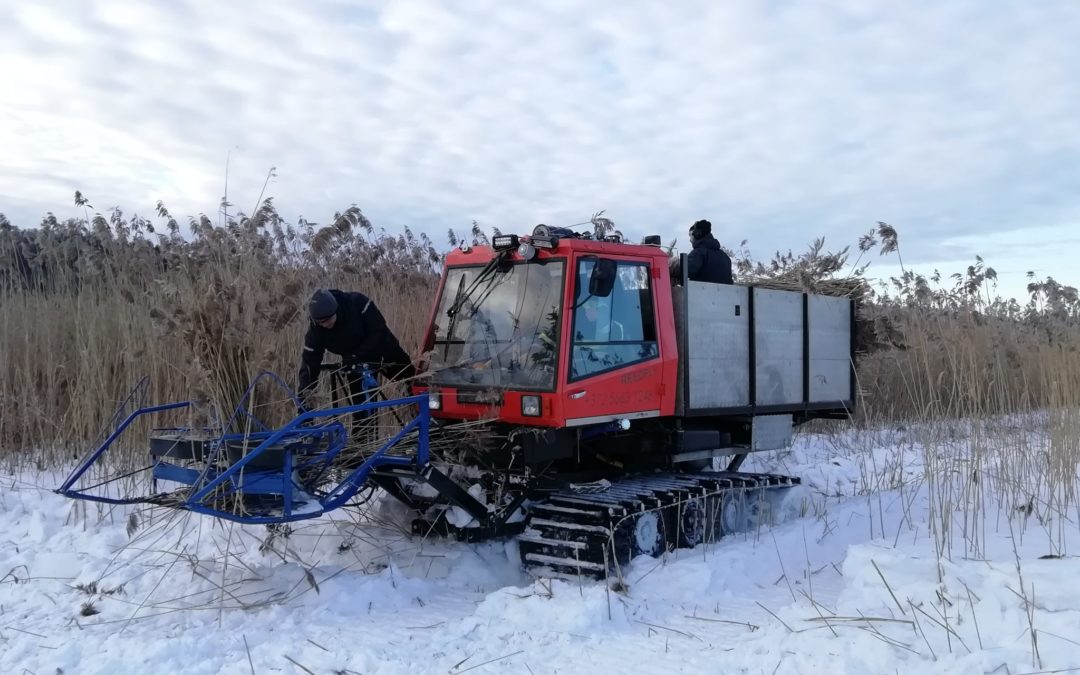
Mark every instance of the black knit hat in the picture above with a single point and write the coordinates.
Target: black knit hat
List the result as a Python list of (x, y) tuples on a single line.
[(701, 228), (322, 305)]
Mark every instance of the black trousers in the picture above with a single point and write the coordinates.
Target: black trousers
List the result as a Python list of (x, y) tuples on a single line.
[(360, 392)]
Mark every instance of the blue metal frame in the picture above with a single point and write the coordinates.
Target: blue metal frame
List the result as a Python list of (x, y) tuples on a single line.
[(240, 479), (135, 398), (343, 492), (240, 407), (66, 490)]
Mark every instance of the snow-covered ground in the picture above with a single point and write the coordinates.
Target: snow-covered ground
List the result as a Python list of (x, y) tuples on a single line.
[(848, 582)]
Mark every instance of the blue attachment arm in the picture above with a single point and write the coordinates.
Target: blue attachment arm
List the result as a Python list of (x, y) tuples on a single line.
[(66, 490), (355, 480), (347, 488), (135, 397), (264, 375), (206, 480)]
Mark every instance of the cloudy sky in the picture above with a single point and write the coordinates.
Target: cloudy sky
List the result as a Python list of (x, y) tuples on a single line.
[(956, 120)]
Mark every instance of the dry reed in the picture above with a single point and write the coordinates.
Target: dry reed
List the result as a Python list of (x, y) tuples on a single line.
[(88, 307)]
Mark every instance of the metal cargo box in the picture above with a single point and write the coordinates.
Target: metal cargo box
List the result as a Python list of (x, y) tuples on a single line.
[(747, 350)]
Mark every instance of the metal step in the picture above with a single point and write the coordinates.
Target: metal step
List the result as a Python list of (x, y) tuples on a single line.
[(598, 500), (581, 527), (566, 562), (566, 510), (545, 541), (552, 573)]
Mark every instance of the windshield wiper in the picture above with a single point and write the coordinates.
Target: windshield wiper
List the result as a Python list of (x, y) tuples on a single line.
[(484, 275), (463, 295), (452, 313)]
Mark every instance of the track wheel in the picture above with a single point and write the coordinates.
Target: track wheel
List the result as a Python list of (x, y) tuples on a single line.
[(647, 535), (759, 509), (734, 516), (692, 521)]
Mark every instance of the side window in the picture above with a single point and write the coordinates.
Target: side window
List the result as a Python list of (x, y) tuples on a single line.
[(614, 331)]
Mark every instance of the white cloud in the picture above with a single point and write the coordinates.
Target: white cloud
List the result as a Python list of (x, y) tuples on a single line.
[(778, 121)]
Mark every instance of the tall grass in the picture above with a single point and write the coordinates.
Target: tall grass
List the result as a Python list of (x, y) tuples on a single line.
[(88, 307)]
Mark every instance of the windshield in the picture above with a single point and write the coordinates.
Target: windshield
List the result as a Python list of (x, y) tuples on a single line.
[(499, 327)]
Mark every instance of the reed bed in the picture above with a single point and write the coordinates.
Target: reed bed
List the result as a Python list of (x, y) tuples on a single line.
[(88, 306)]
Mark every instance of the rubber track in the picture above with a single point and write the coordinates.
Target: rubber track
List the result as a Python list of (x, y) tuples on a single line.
[(578, 533)]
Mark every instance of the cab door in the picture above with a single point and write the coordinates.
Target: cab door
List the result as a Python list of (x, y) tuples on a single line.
[(614, 368)]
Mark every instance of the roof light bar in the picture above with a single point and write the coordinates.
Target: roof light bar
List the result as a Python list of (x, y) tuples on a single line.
[(545, 242), (504, 242)]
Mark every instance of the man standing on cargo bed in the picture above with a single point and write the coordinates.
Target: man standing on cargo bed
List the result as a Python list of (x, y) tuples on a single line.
[(351, 326), (707, 261)]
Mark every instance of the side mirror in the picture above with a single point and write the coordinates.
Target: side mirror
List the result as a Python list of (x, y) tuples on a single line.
[(602, 278)]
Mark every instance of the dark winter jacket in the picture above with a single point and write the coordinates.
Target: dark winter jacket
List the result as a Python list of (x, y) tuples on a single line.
[(359, 335), (708, 262)]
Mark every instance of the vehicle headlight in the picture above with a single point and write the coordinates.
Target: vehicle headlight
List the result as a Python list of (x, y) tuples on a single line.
[(530, 406), (434, 401), (526, 250)]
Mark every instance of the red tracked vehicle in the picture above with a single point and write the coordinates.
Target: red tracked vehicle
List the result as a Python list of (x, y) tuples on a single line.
[(611, 393)]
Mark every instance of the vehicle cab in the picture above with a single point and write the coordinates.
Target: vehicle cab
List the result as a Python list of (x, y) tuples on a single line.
[(553, 329)]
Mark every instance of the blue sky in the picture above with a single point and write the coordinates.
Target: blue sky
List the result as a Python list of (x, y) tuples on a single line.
[(958, 121)]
